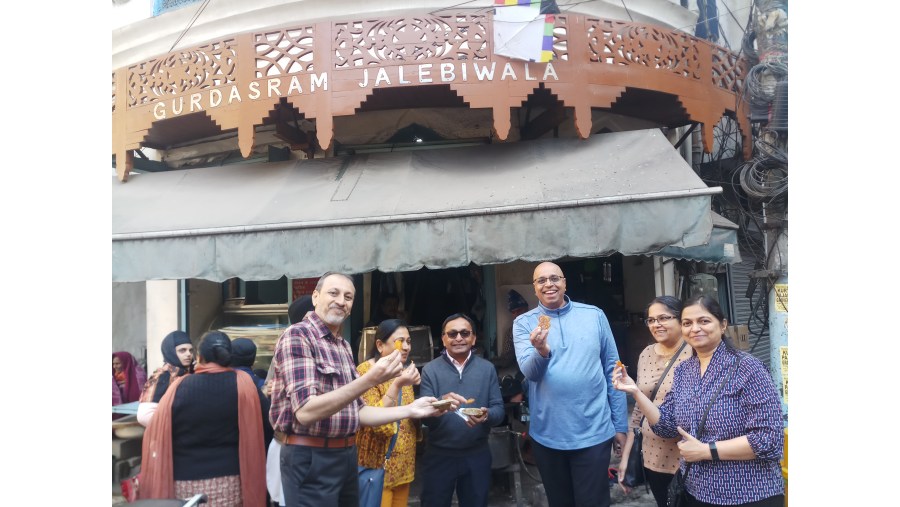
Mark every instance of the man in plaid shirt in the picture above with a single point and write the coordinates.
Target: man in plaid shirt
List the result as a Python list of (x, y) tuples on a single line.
[(316, 406)]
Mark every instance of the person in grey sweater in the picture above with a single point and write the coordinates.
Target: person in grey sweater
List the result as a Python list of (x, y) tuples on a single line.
[(457, 456)]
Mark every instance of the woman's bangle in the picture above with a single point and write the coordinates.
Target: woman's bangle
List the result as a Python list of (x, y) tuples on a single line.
[(391, 398)]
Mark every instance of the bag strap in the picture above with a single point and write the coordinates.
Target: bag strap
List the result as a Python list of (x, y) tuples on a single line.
[(727, 378), (734, 368), (394, 438), (669, 366)]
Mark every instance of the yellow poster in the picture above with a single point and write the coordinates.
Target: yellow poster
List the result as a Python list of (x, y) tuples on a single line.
[(781, 297), (784, 371)]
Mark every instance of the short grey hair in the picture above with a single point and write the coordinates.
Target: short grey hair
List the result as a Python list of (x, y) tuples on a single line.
[(326, 275)]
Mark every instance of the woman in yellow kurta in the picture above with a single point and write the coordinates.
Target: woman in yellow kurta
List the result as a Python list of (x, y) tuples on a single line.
[(372, 442)]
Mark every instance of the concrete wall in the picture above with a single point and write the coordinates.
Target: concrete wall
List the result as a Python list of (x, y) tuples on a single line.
[(664, 277), (129, 318), (162, 317), (204, 303)]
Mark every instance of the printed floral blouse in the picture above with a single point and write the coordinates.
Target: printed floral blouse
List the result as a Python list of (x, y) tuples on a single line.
[(372, 442)]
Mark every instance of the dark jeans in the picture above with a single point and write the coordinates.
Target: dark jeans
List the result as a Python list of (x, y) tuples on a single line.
[(772, 501), (659, 485), (314, 477), (469, 475), (576, 478)]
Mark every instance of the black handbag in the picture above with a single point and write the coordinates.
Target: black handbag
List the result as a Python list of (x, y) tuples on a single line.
[(676, 493), (634, 473)]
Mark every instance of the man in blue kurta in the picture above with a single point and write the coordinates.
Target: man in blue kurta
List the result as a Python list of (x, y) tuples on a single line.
[(577, 417)]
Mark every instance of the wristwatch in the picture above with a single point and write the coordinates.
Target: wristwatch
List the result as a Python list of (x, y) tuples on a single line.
[(714, 451)]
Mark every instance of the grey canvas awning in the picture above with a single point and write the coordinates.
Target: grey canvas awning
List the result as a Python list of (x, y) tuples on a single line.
[(627, 192), (722, 246)]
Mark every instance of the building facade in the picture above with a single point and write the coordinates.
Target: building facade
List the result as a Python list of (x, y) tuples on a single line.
[(257, 146)]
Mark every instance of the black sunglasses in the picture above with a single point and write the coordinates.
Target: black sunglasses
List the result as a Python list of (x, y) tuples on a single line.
[(465, 333)]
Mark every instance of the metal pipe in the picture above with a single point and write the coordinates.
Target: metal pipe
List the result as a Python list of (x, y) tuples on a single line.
[(411, 217), (685, 135)]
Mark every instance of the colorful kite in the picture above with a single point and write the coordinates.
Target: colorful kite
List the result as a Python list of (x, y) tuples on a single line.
[(522, 32)]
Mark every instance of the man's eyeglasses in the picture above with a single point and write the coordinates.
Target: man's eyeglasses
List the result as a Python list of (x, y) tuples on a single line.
[(465, 333), (662, 319), (553, 279)]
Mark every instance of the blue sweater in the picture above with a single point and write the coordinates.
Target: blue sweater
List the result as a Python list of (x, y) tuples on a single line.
[(571, 399), (449, 434)]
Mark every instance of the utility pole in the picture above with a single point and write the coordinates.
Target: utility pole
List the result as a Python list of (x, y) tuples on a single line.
[(770, 149)]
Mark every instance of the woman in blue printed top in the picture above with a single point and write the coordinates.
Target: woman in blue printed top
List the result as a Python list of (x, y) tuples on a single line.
[(736, 458)]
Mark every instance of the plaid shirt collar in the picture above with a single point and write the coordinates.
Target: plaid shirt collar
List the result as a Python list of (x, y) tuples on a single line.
[(321, 328)]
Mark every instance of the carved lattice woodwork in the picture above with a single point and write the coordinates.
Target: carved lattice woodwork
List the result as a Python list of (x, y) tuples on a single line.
[(410, 40), (727, 70), (182, 72), (560, 39), (621, 43), (331, 68), (284, 52)]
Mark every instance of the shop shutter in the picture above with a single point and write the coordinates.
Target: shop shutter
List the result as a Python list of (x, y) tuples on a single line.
[(739, 280)]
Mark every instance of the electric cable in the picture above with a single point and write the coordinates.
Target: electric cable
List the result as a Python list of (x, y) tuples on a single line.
[(521, 459), (190, 24), (627, 11), (748, 45)]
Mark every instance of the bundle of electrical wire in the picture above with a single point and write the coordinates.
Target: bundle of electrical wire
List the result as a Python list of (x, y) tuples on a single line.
[(763, 178)]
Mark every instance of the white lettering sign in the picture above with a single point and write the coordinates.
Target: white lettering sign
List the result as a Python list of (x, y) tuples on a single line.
[(425, 73)]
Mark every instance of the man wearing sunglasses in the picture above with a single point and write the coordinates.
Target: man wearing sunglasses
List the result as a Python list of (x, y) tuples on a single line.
[(577, 417), (457, 456)]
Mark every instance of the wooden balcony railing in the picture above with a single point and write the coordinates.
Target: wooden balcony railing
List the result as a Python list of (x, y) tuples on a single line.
[(330, 68)]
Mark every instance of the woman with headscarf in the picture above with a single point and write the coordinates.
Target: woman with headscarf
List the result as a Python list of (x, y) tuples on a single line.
[(206, 436), (128, 378), (243, 355), (178, 357)]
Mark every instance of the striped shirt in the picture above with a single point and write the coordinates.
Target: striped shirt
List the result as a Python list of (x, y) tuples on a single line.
[(308, 361), (747, 406)]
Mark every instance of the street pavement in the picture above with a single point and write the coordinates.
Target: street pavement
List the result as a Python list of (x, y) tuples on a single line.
[(502, 486), (501, 494)]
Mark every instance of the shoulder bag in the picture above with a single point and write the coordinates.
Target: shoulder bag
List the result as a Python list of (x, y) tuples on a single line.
[(371, 480), (634, 473), (676, 492)]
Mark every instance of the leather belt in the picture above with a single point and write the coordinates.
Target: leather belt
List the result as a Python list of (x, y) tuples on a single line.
[(321, 442)]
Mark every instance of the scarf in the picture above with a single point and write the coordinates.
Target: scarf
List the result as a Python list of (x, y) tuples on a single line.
[(167, 347), (157, 473), (132, 375)]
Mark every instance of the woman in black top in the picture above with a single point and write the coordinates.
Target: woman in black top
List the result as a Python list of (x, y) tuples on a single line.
[(206, 435)]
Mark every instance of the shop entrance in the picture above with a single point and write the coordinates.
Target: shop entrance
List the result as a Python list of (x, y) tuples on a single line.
[(426, 297)]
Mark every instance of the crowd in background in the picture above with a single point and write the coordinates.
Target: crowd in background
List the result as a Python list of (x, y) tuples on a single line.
[(318, 429)]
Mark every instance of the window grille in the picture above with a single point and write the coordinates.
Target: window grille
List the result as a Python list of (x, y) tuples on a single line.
[(161, 6)]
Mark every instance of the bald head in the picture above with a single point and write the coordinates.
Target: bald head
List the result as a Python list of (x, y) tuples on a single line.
[(548, 292)]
